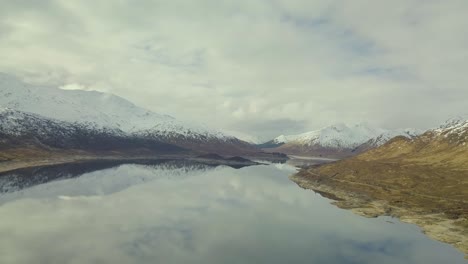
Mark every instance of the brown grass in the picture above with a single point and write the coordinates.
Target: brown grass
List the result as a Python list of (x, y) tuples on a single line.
[(426, 176)]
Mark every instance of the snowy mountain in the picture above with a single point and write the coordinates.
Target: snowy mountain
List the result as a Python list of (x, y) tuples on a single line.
[(339, 136), (456, 126), (19, 130), (106, 112), (445, 148), (101, 109), (336, 141)]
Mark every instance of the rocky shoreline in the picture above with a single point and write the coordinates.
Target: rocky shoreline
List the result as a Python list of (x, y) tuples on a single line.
[(436, 225)]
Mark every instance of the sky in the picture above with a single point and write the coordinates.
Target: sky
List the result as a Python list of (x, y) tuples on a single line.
[(259, 68)]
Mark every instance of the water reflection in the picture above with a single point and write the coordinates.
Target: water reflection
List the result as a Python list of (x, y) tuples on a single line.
[(24, 178), (165, 214), (299, 161)]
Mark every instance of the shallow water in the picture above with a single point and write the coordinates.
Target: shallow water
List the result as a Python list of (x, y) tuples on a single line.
[(183, 212)]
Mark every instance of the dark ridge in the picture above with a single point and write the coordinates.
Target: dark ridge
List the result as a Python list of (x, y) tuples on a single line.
[(269, 144), (238, 159), (277, 155), (28, 177), (212, 156), (19, 179), (48, 133)]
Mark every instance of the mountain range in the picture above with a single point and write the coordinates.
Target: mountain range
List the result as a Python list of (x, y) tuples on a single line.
[(421, 176), (50, 118), (21, 129), (40, 119), (336, 141)]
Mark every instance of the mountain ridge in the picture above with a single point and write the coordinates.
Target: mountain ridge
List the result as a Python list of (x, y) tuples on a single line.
[(102, 109), (335, 141), (107, 112), (20, 129)]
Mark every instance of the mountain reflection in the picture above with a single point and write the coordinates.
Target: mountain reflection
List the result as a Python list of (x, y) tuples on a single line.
[(173, 212), (24, 178)]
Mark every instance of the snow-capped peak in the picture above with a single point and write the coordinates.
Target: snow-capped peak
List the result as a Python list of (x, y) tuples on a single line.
[(100, 109), (281, 139), (389, 134), (458, 125), (344, 136)]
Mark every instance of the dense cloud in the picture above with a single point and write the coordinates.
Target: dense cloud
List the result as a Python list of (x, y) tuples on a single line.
[(227, 63)]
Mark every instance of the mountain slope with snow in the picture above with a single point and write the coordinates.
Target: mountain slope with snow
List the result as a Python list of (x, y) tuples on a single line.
[(339, 136), (336, 141), (21, 130), (101, 111), (455, 129)]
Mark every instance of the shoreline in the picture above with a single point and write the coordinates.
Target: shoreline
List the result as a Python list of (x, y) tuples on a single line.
[(312, 158), (13, 165), (435, 225), (8, 166)]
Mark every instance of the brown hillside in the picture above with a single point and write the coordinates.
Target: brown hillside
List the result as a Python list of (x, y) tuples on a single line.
[(422, 180)]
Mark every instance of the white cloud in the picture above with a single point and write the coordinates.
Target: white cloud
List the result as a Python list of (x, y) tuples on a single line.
[(74, 86), (228, 62)]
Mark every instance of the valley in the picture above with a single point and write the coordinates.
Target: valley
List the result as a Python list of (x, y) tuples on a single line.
[(252, 132), (419, 177)]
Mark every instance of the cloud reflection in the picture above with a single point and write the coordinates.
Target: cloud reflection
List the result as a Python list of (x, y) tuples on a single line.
[(221, 215)]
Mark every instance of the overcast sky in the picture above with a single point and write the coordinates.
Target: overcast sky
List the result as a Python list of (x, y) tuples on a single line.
[(257, 67)]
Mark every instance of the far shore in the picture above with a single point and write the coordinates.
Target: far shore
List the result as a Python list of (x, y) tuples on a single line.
[(7, 166), (311, 158), (11, 165)]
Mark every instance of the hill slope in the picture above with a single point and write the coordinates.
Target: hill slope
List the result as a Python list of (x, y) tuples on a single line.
[(423, 180)]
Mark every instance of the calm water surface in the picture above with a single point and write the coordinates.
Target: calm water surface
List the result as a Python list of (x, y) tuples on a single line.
[(182, 212)]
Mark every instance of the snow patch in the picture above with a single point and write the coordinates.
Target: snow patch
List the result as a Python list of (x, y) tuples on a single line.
[(456, 125)]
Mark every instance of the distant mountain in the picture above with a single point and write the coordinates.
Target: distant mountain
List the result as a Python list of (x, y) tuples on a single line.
[(385, 137), (96, 111), (444, 146), (335, 141), (243, 136)]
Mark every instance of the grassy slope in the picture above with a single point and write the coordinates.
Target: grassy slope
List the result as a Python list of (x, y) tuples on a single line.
[(426, 176)]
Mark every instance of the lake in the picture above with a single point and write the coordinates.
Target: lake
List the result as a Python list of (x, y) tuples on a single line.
[(186, 212)]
